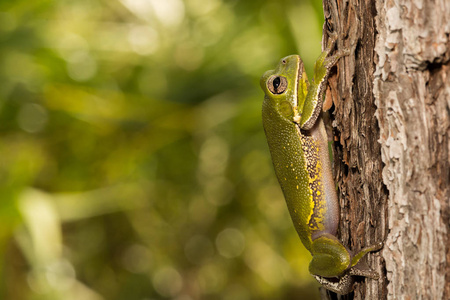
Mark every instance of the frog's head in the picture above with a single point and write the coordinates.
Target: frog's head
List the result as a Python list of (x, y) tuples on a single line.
[(281, 85)]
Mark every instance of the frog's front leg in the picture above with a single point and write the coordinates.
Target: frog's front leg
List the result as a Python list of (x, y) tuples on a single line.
[(313, 102)]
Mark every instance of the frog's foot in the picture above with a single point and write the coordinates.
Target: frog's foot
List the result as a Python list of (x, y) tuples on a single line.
[(363, 270), (364, 251), (359, 267), (342, 285), (346, 283), (332, 37), (330, 61)]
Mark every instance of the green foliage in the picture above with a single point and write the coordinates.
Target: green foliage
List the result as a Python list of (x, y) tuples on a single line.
[(134, 164)]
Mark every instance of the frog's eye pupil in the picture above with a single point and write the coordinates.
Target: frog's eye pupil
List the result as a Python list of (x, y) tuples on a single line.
[(276, 83)]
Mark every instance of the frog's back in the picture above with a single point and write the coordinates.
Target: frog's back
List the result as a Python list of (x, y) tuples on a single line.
[(289, 163)]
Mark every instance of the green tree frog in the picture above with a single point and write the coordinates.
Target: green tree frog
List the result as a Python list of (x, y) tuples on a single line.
[(298, 145)]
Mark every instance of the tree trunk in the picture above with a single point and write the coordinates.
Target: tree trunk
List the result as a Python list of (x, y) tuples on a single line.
[(391, 126), (412, 90)]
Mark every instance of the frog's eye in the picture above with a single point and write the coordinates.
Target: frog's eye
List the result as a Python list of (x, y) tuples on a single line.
[(277, 84)]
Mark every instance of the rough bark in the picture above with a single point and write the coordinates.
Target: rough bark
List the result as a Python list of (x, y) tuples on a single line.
[(358, 164), (391, 123), (412, 93)]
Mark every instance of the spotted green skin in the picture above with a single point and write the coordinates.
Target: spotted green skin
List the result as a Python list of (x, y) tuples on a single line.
[(299, 148)]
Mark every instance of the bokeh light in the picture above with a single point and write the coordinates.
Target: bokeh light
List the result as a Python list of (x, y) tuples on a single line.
[(134, 164)]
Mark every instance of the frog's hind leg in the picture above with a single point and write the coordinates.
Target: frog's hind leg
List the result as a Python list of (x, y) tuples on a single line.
[(330, 257)]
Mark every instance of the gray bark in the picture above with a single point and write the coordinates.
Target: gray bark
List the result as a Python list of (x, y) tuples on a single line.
[(412, 93)]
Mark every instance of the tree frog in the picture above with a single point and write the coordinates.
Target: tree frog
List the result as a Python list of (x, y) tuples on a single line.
[(298, 145)]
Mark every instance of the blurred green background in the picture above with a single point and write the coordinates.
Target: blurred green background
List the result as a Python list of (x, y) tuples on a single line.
[(133, 160)]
